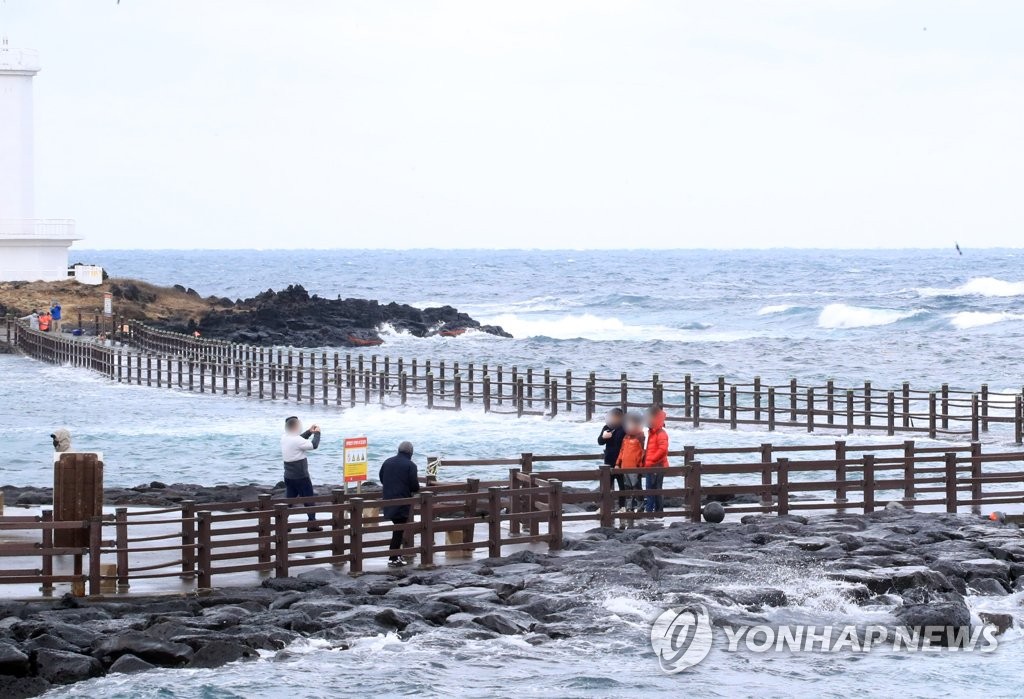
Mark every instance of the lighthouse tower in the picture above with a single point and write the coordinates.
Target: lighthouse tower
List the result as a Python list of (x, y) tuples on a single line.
[(31, 249)]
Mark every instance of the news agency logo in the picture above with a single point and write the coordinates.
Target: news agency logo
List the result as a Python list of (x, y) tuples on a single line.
[(682, 638)]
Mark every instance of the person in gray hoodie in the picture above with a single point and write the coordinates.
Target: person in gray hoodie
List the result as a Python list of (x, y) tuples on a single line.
[(295, 445)]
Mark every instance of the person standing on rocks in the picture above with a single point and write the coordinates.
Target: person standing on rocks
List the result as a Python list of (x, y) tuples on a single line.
[(295, 445), (611, 439), (399, 479)]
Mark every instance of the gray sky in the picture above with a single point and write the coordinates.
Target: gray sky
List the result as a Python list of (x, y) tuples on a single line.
[(810, 123)]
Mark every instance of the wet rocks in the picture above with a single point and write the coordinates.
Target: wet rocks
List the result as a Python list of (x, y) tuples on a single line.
[(915, 566)]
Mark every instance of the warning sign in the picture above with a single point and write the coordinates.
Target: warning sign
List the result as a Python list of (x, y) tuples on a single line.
[(355, 460)]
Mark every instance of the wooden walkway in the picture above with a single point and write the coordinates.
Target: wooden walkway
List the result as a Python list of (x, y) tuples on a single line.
[(134, 353), (201, 547)]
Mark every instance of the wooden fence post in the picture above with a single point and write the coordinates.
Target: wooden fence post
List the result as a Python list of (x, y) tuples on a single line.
[(264, 526), (771, 408), (792, 400), (487, 393), (47, 545), (607, 496), (869, 483), (693, 491), (687, 393), (95, 547), (945, 406), (830, 400), (867, 404), (931, 415), (188, 539), (721, 398), (783, 486), (951, 497), (732, 407), (695, 408), (890, 412), (849, 412), (281, 541), (494, 522), (976, 477), (121, 544), (355, 522), (427, 521), (1018, 421), (430, 391), (205, 579), (757, 399), (975, 432), (810, 409), (909, 487), (555, 515), (766, 475), (906, 404), (984, 407)]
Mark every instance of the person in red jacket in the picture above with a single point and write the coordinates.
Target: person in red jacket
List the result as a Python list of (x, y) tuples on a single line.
[(656, 456)]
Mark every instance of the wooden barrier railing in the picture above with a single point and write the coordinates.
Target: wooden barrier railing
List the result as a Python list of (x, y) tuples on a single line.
[(201, 545), (163, 359)]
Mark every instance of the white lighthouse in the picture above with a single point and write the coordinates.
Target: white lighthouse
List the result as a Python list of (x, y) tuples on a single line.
[(31, 249)]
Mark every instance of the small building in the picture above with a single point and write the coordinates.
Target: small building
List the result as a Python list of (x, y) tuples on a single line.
[(31, 249)]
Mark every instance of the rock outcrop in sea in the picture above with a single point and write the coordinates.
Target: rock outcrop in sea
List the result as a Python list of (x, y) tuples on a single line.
[(918, 567), (294, 317)]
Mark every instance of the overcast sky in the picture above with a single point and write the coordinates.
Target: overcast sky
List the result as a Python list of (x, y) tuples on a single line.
[(249, 124)]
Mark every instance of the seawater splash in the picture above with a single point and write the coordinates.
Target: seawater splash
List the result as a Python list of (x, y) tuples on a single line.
[(839, 316), (593, 327), (979, 286)]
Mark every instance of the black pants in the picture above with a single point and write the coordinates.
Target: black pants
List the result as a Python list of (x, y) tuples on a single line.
[(300, 488), (620, 485), (398, 535)]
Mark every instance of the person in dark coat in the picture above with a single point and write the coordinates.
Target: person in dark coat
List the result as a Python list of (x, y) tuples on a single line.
[(398, 480), (611, 439)]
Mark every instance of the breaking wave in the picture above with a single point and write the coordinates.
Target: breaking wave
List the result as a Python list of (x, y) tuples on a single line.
[(979, 286), (966, 320), (841, 316)]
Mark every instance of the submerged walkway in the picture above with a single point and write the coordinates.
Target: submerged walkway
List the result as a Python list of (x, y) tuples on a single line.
[(140, 355)]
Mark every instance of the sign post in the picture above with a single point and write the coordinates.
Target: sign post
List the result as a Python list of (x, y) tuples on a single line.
[(356, 464)]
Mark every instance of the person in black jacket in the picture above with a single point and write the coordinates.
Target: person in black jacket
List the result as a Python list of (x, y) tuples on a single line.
[(611, 439), (398, 480)]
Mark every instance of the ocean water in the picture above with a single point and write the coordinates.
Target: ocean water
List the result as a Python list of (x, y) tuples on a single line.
[(926, 317)]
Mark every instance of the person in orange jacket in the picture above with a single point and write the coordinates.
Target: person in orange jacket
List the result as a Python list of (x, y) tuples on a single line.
[(656, 456), (631, 456), (44, 321)]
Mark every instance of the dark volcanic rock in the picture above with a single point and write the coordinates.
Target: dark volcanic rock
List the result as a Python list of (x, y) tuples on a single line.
[(219, 653), (63, 667), (22, 687), (128, 663), (293, 317), (146, 647), (12, 660)]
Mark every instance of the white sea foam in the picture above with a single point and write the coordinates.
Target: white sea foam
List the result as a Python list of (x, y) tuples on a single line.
[(979, 286), (842, 316), (770, 310), (965, 320), (587, 326)]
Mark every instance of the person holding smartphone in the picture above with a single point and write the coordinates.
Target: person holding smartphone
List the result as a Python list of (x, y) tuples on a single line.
[(295, 445)]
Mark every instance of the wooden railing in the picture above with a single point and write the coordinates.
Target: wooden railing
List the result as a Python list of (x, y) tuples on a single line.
[(204, 544), (144, 356)]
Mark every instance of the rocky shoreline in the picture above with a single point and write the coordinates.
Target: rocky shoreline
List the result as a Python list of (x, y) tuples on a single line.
[(916, 566), (292, 316)]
